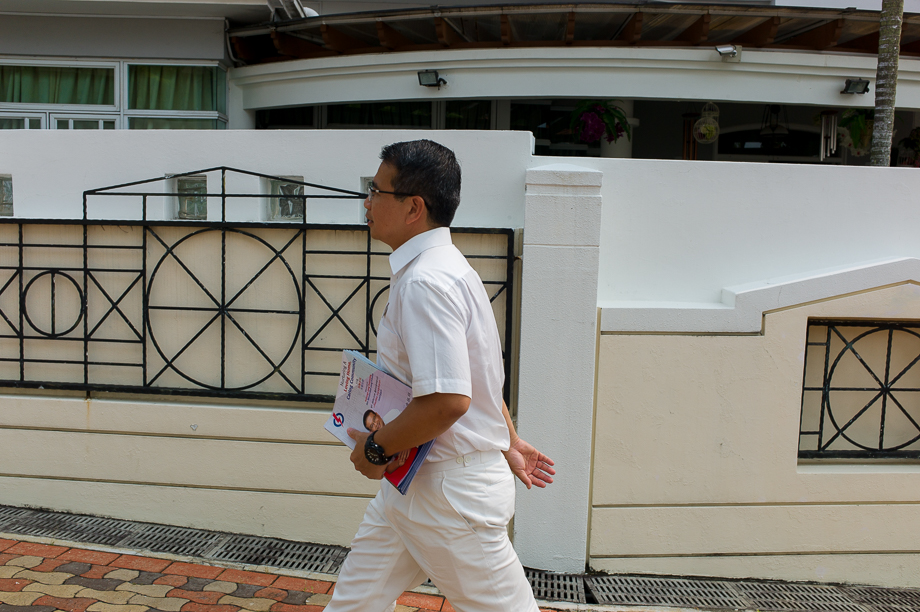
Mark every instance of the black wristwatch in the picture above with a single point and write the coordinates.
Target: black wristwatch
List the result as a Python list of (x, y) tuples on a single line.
[(374, 452)]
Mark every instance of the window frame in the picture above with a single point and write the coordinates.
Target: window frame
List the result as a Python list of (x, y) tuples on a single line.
[(127, 113), (55, 117), (55, 63)]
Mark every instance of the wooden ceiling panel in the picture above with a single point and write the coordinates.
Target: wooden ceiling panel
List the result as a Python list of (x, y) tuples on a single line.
[(725, 28)]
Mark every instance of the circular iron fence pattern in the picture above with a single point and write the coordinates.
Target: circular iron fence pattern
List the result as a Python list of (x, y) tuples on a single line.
[(885, 391), (222, 309), (81, 308)]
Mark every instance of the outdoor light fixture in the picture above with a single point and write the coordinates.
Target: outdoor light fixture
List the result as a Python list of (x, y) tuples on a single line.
[(856, 86), (729, 53), (430, 78)]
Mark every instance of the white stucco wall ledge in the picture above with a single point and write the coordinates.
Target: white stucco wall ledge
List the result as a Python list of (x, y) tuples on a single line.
[(743, 306)]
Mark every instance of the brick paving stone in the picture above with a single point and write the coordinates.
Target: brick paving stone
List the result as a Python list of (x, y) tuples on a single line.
[(26, 561), (401, 608), (19, 599), (74, 567), (246, 590), (95, 557), (70, 604), (104, 607), (193, 570), (109, 597), (175, 581), (64, 591), (302, 584), (256, 604), (4, 543), (283, 607), (147, 578), (40, 550), (296, 598), (44, 577), (421, 600), (196, 584), (447, 607), (13, 584), (97, 571), (49, 565), (122, 574), (8, 608), (148, 590), (220, 586), (202, 597), (8, 571), (167, 604), (197, 607), (140, 563), (5, 557), (99, 584), (272, 593), (235, 575), (320, 599)]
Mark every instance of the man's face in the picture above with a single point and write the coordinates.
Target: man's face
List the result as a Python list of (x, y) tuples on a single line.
[(386, 213), (373, 422)]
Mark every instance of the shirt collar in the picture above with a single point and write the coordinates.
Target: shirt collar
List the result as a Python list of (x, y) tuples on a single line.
[(412, 248)]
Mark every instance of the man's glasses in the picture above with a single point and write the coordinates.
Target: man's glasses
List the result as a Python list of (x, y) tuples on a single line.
[(372, 192)]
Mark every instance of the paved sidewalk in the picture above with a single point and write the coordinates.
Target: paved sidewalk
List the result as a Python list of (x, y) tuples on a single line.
[(38, 577)]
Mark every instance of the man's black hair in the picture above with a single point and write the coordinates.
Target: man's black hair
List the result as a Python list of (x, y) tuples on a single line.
[(364, 420), (430, 170)]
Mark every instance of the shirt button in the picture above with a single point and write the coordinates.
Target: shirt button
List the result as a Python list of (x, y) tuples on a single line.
[(459, 459), (467, 459)]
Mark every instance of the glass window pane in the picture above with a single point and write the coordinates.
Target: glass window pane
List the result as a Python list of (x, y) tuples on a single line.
[(56, 85), (160, 123), (6, 195), (221, 91), (35, 124), (469, 115), (288, 208), (381, 114), (293, 118), (193, 204), (108, 125), (192, 88), (85, 124), (11, 124), (63, 124)]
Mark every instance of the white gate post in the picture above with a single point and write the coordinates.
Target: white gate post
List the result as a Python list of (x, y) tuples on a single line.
[(556, 379)]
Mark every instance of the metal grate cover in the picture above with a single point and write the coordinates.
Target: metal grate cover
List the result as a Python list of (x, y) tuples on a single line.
[(176, 540), (280, 553), (797, 597), (639, 590), (886, 600), (93, 529), (556, 587)]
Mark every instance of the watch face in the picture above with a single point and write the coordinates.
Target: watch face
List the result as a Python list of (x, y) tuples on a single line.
[(374, 452)]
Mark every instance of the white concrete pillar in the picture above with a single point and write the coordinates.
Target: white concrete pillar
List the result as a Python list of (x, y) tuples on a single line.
[(556, 373)]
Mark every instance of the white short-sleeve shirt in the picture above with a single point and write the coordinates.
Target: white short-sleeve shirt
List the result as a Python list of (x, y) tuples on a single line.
[(438, 335)]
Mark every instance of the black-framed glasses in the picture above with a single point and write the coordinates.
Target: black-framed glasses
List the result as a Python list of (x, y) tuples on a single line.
[(373, 191)]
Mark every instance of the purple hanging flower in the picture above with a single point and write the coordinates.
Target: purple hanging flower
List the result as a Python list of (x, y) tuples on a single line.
[(592, 127)]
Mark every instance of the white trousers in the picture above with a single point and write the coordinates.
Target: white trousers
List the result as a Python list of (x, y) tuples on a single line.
[(451, 527)]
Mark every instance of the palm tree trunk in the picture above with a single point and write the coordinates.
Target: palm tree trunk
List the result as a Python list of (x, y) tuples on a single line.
[(886, 81)]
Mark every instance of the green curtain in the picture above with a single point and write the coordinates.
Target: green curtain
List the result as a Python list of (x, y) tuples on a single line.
[(468, 115), (165, 123), (383, 114), (190, 88), (12, 124), (55, 85)]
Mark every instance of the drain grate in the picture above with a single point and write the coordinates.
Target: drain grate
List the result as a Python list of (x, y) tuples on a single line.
[(556, 587), (280, 553), (8, 514), (176, 540), (640, 590), (93, 529), (886, 600), (797, 597)]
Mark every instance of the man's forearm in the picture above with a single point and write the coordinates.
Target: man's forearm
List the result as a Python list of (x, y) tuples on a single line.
[(511, 430), (424, 419)]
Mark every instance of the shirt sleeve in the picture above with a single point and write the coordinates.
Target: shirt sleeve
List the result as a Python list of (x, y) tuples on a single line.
[(433, 329)]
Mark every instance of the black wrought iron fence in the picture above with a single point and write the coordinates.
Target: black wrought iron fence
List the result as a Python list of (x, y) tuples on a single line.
[(861, 391), (251, 309)]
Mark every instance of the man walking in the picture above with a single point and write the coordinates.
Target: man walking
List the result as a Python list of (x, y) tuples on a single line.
[(438, 335)]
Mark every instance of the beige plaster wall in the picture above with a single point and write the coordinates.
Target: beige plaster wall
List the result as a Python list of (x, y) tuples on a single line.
[(696, 468)]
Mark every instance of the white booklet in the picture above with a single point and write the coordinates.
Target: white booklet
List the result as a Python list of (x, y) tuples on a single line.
[(367, 398)]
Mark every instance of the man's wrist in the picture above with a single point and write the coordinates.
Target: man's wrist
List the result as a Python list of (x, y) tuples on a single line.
[(374, 453)]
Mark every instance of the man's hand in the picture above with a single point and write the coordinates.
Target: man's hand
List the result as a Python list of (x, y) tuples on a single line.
[(530, 465), (374, 472)]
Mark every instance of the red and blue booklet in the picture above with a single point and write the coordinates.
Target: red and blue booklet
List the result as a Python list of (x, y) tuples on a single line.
[(368, 398)]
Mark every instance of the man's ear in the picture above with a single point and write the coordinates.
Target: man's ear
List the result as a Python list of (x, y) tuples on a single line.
[(417, 211)]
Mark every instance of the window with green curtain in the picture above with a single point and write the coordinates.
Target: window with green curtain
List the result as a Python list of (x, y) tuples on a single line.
[(179, 88), (468, 115), (381, 114), (167, 123), (57, 85)]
